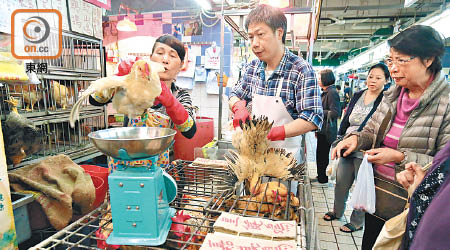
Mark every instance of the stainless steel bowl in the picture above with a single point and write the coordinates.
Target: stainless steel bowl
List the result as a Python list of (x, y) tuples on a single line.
[(132, 143)]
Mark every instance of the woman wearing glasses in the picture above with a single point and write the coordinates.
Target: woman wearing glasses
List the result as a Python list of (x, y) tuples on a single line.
[(412, 122)]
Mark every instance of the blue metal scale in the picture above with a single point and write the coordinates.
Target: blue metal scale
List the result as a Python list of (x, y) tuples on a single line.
[(139, 195)]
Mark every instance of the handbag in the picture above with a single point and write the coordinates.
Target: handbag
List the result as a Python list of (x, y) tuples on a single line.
[(329, 129), (391, 197), (391, 234)]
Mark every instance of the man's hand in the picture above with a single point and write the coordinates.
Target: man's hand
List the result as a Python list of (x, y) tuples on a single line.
[(349, 144), (240, 112), (277, 134), (384, 155), (412, 175)]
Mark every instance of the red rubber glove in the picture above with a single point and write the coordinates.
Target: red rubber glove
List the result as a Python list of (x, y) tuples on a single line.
[(240, 113), (124, 66), (277, 134), (174, 109)]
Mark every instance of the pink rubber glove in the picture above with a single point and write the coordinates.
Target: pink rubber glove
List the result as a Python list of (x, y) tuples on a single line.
[(174, 109), (240, 113), (124, 67), (277, 134)]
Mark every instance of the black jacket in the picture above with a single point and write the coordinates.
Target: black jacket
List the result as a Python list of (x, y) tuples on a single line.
[(331, 112), (345, 123)]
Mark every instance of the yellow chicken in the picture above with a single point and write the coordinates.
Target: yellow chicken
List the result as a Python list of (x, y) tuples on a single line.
[(32, 97), (30, 93), (61, 94), (134, 93)]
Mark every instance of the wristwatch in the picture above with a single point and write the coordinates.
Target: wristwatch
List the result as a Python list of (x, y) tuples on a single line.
[(405, 158)]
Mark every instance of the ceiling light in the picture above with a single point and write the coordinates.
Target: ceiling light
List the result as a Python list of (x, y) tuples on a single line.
[(126, 25), (205, 4), (276, 3)]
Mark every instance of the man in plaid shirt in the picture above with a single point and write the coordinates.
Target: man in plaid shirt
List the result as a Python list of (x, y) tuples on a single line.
[(279, 84)]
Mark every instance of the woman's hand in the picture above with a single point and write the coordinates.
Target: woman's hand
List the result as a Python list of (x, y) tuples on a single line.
[(412, 175), (349, 144), (384, 155)]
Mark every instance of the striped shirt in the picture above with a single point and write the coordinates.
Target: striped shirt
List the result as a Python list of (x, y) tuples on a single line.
[(300, 92), (405, 106)]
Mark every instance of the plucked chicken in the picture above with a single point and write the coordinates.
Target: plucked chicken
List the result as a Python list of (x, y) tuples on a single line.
[(134, 93), (21, 137), (254, 159)]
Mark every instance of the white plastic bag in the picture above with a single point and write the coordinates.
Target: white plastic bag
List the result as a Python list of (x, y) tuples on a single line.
[(363, 196), (332, 168)]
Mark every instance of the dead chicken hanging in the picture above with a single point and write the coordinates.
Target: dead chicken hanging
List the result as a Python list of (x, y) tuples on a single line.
[(254, 159), (134, 93)]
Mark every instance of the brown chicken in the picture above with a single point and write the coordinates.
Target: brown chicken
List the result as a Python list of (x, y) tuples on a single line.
[(255, 159), (134, 93), (30, 93), (21, 137)]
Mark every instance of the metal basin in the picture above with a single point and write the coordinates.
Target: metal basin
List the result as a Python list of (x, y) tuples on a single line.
[(132, 143)]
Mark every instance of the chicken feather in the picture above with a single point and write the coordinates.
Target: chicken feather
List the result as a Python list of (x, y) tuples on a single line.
[(134, 94), (254, 159)]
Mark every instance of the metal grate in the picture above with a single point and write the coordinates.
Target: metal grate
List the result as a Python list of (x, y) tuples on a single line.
[(48, 104), (199, 190)]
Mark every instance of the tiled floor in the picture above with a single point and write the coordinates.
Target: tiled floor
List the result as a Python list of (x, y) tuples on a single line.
[(330, 237)]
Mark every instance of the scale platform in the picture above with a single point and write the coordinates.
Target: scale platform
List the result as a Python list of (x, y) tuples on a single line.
[(139, 195)]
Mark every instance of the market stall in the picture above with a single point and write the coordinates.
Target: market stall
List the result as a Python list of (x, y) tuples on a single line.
[(176, 206)]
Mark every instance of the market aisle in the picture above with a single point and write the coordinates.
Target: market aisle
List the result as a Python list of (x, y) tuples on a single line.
[(330, 237)]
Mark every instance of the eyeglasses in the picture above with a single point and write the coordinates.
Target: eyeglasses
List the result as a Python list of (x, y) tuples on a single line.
[(399, 62)]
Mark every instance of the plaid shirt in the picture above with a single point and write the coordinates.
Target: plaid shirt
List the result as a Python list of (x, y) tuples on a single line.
[(300, 91)]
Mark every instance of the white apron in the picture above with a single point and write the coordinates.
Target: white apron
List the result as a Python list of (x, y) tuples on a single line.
[(273, 107)]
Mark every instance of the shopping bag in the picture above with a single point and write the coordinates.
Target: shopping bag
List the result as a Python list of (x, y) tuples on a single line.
[(392, 233), (332, 168), (363, 196)]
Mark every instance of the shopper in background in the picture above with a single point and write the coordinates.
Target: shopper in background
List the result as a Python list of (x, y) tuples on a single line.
[(331, 112), (347, 93), (174, 106), (280, 85), (428, 225), (361, 107), (412, 121), (341, 97)]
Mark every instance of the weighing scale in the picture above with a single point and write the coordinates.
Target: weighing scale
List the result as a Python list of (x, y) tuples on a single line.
[(139, 195)]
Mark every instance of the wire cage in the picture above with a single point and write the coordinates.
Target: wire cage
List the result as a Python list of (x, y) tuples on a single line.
[(200, 191), (48, 103)]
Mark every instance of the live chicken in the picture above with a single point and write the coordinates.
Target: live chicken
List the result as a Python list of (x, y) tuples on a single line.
[(134, 93), (30, 93), (21, 137), (61, 94)]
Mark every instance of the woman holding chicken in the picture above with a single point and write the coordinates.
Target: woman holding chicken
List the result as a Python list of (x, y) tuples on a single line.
[(173, 108)]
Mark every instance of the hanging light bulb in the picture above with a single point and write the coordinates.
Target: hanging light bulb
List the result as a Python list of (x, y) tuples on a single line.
[(276, 3), (126, 25)]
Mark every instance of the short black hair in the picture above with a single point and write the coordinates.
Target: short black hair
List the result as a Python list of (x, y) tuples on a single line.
[(327, 77), (269, 15), (172, 42), (347, 84), (383, 67), (338, 87), (421, 41)]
